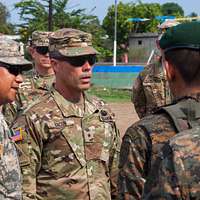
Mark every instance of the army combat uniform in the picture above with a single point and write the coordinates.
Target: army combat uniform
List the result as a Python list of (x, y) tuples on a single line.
[(68, 151), (150, 90), (10, 176)]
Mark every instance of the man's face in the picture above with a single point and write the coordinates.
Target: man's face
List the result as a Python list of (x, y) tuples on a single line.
[(9, 84), (75, 73), (40, 56)]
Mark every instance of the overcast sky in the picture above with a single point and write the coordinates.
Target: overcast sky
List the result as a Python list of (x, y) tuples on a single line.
[(99, 7)]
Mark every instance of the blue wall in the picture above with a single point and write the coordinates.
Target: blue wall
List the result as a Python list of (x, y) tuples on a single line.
[(115, 77)]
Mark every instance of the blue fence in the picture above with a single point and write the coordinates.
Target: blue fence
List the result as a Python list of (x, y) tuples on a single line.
[(115, 77)]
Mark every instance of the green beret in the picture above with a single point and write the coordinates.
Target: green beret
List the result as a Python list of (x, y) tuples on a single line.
[(186, 35)]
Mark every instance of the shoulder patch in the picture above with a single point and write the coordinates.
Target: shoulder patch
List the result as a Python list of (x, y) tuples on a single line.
[(17, 134)]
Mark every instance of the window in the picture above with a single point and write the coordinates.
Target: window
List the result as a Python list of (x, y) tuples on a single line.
[(139, 42)]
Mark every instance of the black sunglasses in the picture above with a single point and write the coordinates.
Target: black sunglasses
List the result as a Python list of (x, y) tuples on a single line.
[(15, 69), (42, 50), (79, 61), (12, 69)]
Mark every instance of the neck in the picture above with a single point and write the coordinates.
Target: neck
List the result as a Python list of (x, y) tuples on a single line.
[(71, 95), (187, 91), (44, 71)]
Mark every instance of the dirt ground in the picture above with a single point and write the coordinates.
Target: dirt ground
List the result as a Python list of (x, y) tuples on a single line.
[(125, 115)]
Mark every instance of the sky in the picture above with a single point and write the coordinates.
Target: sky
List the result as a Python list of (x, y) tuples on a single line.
[(100, 7)]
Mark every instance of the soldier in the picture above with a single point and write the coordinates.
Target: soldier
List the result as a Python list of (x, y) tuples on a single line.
[(144, 140), (150, 90), (178, 163), (11, 65), (36, 82), (70, 144)]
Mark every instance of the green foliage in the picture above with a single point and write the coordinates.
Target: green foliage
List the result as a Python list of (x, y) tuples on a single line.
[(34, 14), (124, 27), (172, 9), (5, 27), (193, 14), (110, 94)]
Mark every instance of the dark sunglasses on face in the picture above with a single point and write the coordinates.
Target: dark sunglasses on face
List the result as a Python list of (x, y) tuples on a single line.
[(12, 69), (42, 50), (79, 61)]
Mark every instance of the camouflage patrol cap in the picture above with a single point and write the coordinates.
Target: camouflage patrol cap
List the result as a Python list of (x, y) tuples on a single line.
[(71, 42), (184, 35), (10, 53), (40, 38)]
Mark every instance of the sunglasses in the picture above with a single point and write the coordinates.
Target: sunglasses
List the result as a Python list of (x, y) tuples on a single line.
[(15, 69), (79, 61), (42, 50), (12, 69)]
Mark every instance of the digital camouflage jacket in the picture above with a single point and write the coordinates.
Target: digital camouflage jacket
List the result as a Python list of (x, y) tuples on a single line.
[(142, 143), (178, 169), (10, 175)]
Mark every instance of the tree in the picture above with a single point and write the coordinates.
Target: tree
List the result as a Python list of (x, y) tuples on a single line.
[(34, 14), (193, 14), (6, 27), (172, 9), (124, 27)]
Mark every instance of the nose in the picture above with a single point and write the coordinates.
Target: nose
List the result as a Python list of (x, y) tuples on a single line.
[(19, 78), (86, 67)]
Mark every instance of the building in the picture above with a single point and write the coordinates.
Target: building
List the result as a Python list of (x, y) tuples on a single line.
[(141, 46)]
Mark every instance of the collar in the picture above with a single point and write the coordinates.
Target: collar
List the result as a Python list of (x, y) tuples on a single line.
[(71, 109), (195, 96)]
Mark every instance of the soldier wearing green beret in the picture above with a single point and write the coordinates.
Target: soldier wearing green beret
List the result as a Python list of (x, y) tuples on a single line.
[(149, 167), (71, 137), (178, 162), (37, 81), (12, 64)]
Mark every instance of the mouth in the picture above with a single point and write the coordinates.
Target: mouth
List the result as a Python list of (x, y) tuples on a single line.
[(86, 77)]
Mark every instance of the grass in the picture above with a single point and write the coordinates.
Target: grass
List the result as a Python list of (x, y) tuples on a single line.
[(111, 95)]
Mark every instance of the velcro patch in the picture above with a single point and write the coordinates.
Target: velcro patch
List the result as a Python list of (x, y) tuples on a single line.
[(17, 134)]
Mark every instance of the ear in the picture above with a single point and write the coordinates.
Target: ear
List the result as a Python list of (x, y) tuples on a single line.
[(31, 50), (169, 69), (54, 64)]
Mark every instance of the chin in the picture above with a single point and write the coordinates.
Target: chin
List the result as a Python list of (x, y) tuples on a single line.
[(46, 65)]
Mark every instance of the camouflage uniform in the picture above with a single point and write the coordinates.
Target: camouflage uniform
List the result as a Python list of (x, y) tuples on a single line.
[(10, 177), (68, 153), (150, 90), (178, 170), (141, 145), (144, 141), (33, 86), (68, 150)]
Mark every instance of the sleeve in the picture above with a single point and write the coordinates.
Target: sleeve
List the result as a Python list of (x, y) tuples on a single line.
[(138, 97), (132, 164), (114, 161), (29, 151), (165, 186)]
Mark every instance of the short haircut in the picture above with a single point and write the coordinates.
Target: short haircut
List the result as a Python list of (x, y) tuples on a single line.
[(187, 62)]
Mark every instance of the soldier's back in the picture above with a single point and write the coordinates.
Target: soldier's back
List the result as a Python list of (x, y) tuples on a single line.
[(150, 90)]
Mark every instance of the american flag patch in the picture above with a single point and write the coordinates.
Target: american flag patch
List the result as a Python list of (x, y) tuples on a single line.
[(17, 134)]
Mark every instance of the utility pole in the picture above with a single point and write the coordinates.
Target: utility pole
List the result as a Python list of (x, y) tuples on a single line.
[(50, 16), (115, 37)]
